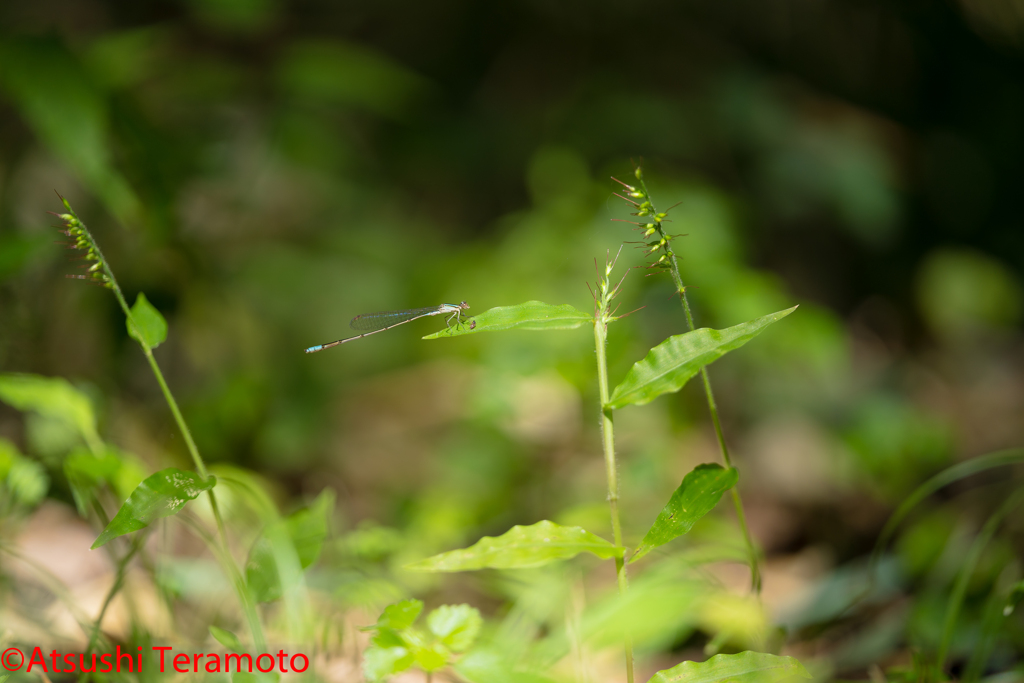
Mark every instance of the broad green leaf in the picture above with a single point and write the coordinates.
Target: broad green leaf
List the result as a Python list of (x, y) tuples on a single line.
[(532, 315), (456, 625), (671, 364), (226, 638), (53, 397), (696, 496), (305, 530), (521, 547), (159, 495), (146, 324), (745, 667), (399, 615), (380, 662)]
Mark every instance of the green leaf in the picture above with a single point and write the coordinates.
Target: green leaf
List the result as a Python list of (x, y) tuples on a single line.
[(226, 638), (146, 324), (745, 667), (492, 665), (159, 495), (305, 531), (532, 315), (431, 657), (399, 615), (27, 481), (672, 363), (696, 496), (8, 454), (381, 662), (53, 397), (456, 625), (521, 547)]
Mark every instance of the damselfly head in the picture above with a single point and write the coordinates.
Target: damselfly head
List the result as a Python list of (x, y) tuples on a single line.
[(463, 305)]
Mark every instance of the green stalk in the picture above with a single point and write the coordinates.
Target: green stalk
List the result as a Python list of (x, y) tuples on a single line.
[(752, 554), (608, 444), (245, 599), (956, 596)]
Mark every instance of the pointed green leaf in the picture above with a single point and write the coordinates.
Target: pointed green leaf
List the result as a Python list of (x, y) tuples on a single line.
[(381, 662), (305, 531), (672, 363), (226, 638), (146, 324), (521, 547), (696, 496), (456, 625), (745, 667), (53, 397), (399, 615), (159, 495), (532, 315)]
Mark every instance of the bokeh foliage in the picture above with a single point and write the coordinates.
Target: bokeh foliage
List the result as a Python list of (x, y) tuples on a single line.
[(264, 171)]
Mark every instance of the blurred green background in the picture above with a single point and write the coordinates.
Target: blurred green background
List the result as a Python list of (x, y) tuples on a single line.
[(264, 171)]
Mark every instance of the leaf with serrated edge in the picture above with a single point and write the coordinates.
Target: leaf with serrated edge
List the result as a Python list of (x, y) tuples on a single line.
[(521, 547), (159, 495), (146, 324), (531, 315), (745, 667), (671, 364), (699, 493)]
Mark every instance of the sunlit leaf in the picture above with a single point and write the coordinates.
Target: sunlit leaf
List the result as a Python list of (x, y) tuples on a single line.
[(305, 531), (8, 454), (379, 662), (430, 657), (159, 495), (521, 547), (400, 615), (226, 638), (671, 364), (696, 496), (456, 625), (146, 324), (53, 397), (745, 667), (532, 315)]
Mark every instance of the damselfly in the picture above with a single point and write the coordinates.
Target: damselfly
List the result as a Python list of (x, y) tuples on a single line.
[(385, 320)]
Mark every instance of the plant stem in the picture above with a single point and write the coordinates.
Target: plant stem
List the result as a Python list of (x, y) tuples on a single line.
[(608, 443), (752, 554), (245, 599)]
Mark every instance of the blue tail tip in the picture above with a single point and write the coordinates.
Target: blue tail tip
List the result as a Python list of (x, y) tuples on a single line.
[(311, 349)]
